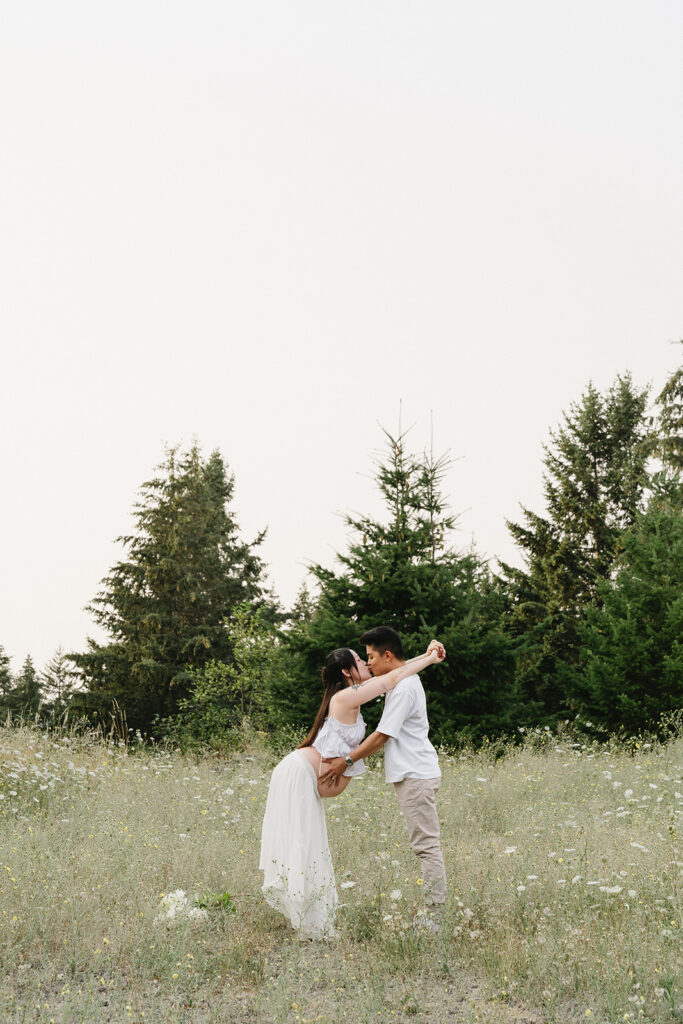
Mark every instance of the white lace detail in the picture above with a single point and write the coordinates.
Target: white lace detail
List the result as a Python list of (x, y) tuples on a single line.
[(337, 739)]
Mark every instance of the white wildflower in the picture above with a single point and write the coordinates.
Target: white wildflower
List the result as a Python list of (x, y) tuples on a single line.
[(395, 894), (197, 914)]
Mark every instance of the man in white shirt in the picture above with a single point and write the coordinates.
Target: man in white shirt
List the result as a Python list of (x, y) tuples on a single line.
[(410, 760)]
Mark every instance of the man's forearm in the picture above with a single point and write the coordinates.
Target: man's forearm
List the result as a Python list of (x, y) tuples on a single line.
[(370, 745)]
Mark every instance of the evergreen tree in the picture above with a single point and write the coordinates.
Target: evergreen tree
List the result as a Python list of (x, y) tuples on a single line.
[(596, 476), (6, 683), (401, 573), (670, 421), (25, 699), (165, 606), (631, 668), (58, 681)]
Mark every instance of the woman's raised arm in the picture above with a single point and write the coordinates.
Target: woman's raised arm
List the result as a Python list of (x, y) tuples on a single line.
[(354, 696)]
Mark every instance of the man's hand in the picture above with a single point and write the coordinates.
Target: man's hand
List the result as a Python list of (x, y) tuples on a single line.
[(438, 647), (336, 767)]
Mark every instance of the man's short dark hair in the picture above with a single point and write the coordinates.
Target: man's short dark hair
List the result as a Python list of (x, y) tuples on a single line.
[(383, 638)]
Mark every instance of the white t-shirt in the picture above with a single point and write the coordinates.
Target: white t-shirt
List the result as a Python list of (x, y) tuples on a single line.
[(408, 754)]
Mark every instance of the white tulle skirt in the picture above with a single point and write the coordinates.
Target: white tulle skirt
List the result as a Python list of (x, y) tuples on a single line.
[(295, 855)]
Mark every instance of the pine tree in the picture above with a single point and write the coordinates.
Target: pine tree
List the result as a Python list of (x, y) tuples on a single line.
[(25, 699), (58, 681), (670, 421), (6, 683), (400, 572), (595, 480), (164, 607), (631, 668)]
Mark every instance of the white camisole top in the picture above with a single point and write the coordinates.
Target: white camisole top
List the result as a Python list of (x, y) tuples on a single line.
[(335, 739)]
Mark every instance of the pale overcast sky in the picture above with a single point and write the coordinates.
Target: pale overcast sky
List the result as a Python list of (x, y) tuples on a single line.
[(264, 224)]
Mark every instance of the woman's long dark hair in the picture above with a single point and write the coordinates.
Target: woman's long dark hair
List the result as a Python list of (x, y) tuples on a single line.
[(334, 680)]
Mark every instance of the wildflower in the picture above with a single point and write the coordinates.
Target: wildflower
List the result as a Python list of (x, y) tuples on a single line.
[(347, 885), (511, 849), (613, 889), (395, 895)]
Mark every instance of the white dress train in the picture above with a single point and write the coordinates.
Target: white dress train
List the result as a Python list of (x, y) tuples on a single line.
[(295, 855)]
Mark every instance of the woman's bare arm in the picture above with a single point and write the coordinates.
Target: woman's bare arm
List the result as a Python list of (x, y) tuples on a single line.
[(354, 696)]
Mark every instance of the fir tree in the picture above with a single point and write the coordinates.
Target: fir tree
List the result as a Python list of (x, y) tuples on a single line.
[(25, 699), (670, 421), (6, 681), (58, 681), (401, 572), (164, 607), (595, 480), (631, 667)]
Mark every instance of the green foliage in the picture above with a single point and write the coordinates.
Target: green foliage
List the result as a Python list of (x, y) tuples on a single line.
[(595, 480), (224, 695), (24, 699), (631, 668), (58, 681), (164, 606), (401, 573), (670, 421), (217, 901), (6, 681)]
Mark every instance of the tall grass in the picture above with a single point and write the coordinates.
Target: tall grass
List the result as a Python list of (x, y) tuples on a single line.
[(564, 903)]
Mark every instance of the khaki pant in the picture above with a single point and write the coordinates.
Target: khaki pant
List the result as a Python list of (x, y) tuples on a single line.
[(416, 798)]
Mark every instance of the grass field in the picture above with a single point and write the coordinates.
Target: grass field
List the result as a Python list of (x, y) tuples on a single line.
[(564, 868)]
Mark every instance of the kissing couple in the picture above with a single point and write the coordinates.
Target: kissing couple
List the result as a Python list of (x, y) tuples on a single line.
[(295, 854)]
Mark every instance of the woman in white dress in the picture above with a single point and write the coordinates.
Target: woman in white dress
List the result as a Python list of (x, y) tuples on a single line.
[(295, 855)]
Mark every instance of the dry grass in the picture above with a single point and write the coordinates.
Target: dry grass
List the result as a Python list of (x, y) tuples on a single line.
[(564, 891)]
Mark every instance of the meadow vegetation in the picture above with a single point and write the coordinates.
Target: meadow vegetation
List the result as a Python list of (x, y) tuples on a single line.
[(564, 864)]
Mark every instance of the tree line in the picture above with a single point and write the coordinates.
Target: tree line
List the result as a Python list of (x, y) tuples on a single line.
[(587, 630)]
